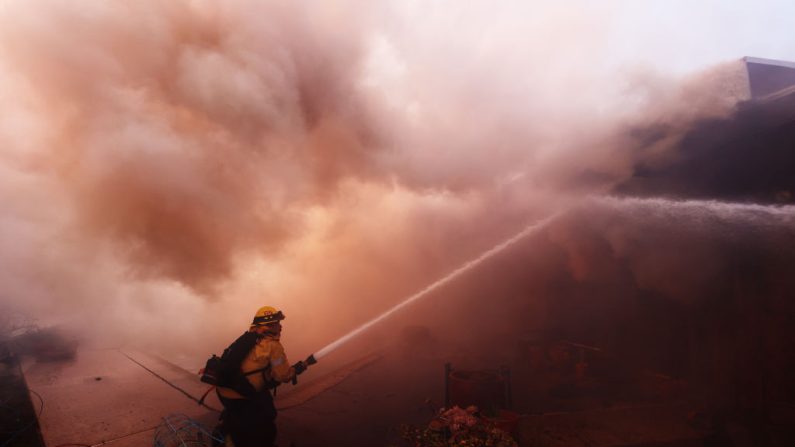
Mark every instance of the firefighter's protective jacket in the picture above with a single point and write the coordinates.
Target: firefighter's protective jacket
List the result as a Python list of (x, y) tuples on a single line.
[(267, 353)]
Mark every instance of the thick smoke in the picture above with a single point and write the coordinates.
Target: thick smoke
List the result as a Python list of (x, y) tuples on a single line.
[(168, 167), (183, 133), (693, 289), (152, 145)]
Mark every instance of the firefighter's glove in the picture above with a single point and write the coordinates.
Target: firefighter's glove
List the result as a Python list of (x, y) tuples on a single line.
[(299, 368)]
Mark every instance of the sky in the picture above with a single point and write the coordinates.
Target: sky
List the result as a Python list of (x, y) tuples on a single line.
[(688, 35), (168, 166)]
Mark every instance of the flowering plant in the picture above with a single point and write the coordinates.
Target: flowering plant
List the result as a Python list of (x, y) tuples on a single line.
[(457, 427)]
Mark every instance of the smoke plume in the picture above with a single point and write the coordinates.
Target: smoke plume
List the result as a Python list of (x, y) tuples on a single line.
[(169, 167)]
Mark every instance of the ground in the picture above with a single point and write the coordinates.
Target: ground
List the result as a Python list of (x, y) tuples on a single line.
[(120, 397)]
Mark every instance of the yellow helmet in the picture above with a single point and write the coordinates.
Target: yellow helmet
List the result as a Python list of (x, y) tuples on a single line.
[(267, 315)]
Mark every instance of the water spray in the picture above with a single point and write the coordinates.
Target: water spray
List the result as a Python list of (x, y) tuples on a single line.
[(722, 209), (466, 267)]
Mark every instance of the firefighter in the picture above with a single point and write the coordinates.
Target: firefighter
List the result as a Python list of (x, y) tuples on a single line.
[(250, 420)]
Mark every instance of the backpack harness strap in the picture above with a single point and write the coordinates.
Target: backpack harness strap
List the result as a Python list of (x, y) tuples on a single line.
[(204, 396)]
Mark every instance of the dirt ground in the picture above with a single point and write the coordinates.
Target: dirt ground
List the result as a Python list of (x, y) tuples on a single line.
[(117, 398)]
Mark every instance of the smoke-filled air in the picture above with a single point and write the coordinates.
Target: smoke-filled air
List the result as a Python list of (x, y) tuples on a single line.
[(168, 167)]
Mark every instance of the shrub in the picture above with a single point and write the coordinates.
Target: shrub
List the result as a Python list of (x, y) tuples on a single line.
[(457, 427)]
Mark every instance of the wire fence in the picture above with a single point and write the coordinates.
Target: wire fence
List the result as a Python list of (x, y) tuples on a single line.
[(178, 430)]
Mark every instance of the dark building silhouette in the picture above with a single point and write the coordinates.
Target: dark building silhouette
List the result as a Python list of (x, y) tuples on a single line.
[(748, 156)]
